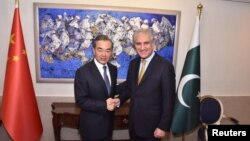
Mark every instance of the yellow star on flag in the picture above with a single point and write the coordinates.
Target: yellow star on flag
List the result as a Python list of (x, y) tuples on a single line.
[(15, 58)]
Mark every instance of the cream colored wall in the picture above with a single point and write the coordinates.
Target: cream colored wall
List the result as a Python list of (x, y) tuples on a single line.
[(225, 48), (225, 44)]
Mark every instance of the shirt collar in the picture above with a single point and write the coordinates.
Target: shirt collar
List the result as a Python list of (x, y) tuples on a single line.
[(99, 65), (150, 57)]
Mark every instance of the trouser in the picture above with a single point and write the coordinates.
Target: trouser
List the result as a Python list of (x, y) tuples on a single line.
[(135, 137)]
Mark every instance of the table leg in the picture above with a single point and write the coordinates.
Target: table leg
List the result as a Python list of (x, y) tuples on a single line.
[(57, 127)]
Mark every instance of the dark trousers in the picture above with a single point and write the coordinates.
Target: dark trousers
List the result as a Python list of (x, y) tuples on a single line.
[(104, 139), (135, 137), (108, 138)]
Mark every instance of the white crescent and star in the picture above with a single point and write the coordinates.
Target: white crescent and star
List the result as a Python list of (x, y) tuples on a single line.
[(183, 82)]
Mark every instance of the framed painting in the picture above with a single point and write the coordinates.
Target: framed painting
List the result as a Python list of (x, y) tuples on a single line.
[(64, 35)]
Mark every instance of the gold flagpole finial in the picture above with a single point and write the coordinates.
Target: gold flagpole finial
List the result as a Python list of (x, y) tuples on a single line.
[(17, 3), (199, 8)]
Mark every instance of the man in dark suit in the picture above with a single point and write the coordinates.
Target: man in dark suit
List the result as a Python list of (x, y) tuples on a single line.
[(95, 86), (152, 96)]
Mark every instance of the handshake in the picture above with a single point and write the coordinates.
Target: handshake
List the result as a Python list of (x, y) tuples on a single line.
[(112, 103)]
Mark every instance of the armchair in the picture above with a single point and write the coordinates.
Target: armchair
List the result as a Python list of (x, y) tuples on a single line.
[(211, 112)]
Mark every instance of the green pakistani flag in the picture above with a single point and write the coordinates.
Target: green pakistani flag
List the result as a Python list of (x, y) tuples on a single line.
[(187, 104)]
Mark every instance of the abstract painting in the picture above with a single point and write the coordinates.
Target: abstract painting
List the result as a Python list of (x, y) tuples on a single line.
[(64, 35)]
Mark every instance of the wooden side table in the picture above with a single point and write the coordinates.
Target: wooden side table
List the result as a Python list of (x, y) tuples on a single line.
[(67, 115)]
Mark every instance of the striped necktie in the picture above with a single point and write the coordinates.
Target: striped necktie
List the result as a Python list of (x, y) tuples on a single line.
[(106, 79)]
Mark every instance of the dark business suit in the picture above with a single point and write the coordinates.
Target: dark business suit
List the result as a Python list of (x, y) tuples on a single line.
[(96, 121), (152, 101)]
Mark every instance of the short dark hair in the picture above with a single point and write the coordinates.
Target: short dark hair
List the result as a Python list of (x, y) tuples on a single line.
[(102, 37)]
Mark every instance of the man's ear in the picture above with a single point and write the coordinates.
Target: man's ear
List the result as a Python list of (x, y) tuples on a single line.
[(133, 45)]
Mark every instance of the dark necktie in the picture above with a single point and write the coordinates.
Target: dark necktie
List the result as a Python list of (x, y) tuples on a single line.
[(106, 79)]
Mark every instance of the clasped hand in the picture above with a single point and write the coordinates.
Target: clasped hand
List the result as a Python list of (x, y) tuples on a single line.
[(112, 103)]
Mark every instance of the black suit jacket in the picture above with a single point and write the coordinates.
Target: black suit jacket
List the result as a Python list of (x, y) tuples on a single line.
[(152, 101), (90, 95)]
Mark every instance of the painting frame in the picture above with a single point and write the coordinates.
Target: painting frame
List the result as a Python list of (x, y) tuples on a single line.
[(45, 46)]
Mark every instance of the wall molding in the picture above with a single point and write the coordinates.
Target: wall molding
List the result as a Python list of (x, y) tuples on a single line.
[(243, 1)]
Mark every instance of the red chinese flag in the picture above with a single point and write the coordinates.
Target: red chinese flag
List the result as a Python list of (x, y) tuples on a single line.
[(20, 112)]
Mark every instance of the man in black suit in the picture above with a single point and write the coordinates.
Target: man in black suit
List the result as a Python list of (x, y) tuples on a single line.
[(93, 94), (152, 96)]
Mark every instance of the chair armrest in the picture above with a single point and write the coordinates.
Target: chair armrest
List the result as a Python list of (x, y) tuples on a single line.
[(231, 119)]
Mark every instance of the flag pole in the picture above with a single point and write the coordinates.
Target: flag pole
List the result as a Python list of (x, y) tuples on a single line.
[(199, 8), (17, 3)]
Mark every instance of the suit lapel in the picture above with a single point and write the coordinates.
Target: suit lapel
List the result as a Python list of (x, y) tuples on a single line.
[(97, 76), (137, 69), (151, 66), (112, 74)]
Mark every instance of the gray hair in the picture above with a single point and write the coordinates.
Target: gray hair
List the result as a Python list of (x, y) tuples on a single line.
[(147, 31)]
